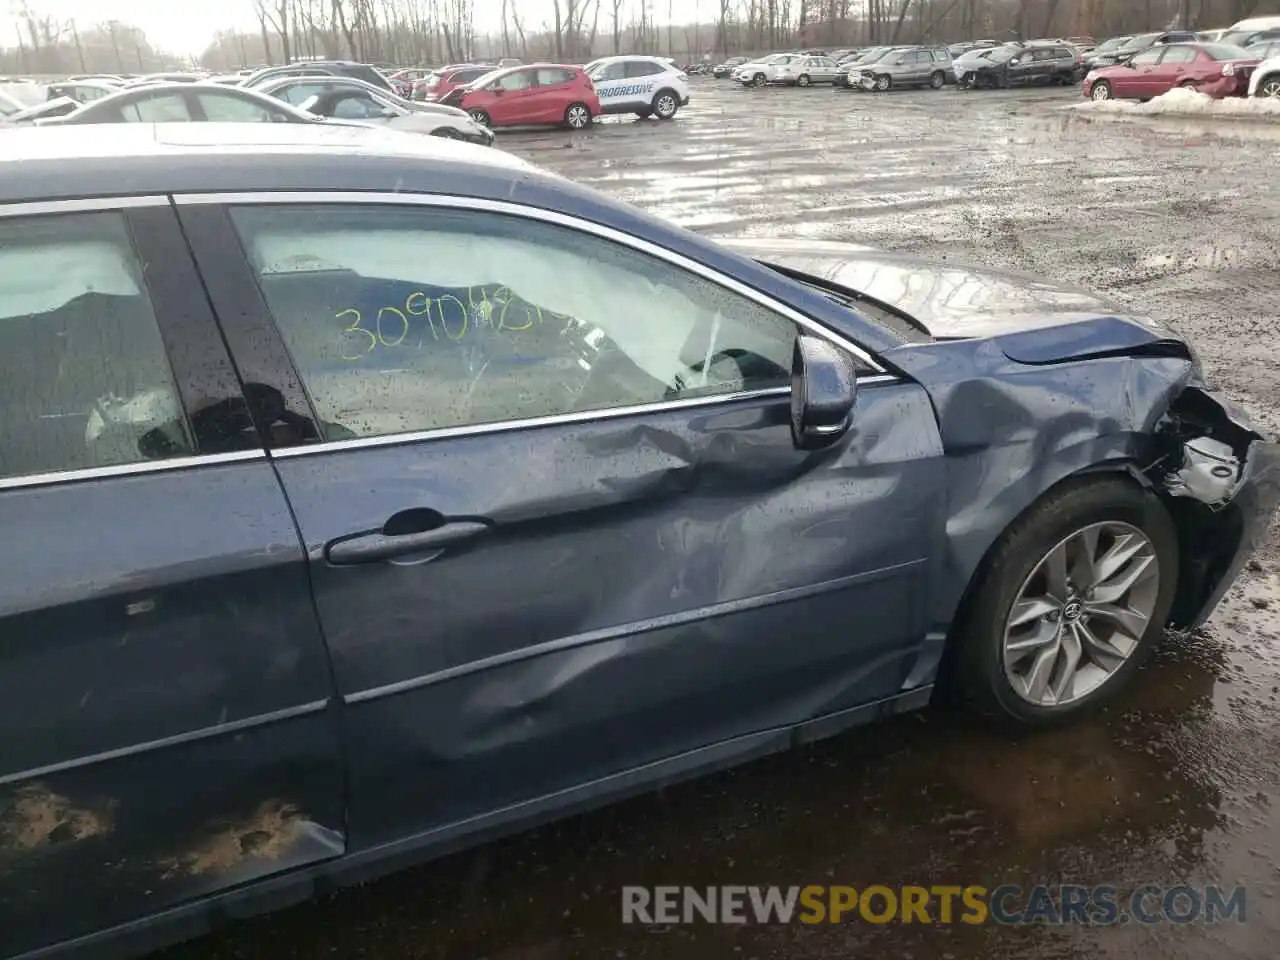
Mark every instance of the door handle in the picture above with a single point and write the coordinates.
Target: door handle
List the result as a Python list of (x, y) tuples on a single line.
[(376, 546)]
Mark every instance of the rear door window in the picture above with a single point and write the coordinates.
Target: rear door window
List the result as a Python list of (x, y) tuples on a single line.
[(87, 380)]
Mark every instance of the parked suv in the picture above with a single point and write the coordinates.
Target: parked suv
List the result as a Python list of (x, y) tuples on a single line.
[(1012, 66), (645, 86), (906, 67)]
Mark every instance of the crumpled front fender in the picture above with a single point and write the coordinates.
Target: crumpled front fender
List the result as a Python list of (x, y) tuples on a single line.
[(1013, 430)]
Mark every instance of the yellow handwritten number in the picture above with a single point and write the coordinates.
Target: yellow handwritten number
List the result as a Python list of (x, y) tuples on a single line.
[(445, 323), (404, 327), (424, 312), (356, 328)]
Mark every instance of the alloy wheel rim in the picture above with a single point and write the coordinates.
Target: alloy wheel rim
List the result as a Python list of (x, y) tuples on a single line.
[(1081, 614), (1101, 92), (666, 106), (1271, 89), (577, 117), (479, 117)]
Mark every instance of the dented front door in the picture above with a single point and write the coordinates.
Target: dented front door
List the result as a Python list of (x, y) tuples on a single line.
[(558, 527), (163, 682)]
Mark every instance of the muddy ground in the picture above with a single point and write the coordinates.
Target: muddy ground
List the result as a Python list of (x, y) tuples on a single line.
[(1178, 219)]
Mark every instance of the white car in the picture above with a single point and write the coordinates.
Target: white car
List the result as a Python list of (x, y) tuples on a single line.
[(770, 69), (645, 86), (1265, 81)]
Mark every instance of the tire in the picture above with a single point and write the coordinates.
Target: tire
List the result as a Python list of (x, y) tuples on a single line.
[(644, 114), (884, 83), (802, 80), (759, 80), (1101, 91), (482, 118), (937, 79), (577, 116), (665, 104), (1269, 86), (990, 677), (1187, 85), (446, 133)]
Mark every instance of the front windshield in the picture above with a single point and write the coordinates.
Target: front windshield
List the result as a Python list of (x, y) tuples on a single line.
[(1000, 54), (1140, 42), (1113, 44), (876, 55), (1237, 37), (482, 81), (1226, 51)]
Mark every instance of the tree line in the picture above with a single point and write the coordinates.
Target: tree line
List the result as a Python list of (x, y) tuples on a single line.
[(432, 32)]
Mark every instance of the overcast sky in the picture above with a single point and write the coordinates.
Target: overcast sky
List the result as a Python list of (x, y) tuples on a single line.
[(186, 26)]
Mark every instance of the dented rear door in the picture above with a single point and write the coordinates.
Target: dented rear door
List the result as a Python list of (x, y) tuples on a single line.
[(163, 682), (557, 526)]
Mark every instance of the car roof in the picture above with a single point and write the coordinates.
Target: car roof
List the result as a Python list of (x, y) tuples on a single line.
[(112, 159), (629, 56)]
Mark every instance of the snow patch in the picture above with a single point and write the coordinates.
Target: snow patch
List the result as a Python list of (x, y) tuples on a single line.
[(1184, 102)]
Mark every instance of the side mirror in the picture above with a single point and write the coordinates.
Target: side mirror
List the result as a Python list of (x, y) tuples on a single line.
[(824, 388)]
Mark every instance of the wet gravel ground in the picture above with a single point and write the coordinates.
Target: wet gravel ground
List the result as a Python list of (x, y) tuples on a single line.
[(1177, 785)]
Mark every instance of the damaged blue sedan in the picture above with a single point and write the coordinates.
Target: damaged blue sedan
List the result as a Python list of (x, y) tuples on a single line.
[(367, 497)]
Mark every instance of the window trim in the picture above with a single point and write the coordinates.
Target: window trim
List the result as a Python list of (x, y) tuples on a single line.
[(224, 202), (129, 469)]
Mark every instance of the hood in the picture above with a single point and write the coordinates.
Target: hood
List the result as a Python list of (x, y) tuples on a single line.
[(951, 300)]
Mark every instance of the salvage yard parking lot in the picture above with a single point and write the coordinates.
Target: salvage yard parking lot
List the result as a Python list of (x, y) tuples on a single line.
[(1174, 218)]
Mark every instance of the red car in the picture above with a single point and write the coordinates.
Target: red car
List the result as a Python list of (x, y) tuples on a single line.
[(1218, 69), (535, 94), (440, 83)]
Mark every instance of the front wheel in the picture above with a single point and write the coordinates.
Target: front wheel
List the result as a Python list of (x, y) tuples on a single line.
[(883, 82), (577, 116), (937, 79), (758, 80), (1101, 91), (482, 118), (1069, 603), (802, 80), (1269, 87)]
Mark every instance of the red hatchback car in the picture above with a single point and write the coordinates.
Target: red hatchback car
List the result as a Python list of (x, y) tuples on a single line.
[(535, 94), (1218, 69)]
